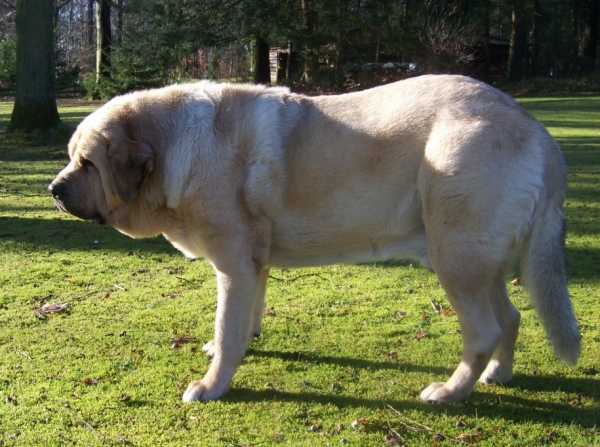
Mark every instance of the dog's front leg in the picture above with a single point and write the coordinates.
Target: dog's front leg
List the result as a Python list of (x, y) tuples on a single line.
[(238, 284)]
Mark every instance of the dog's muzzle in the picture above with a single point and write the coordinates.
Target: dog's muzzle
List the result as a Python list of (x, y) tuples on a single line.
[(59, 193)]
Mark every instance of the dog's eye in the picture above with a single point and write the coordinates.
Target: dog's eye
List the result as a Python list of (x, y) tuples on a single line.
[(86, 164)]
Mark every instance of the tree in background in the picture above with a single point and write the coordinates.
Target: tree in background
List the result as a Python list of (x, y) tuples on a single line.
[(586, 17), (518, 53), (103, 39), (35, 95)]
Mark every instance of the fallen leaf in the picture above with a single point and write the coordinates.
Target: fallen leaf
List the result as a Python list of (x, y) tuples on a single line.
[(91, 380), (50, 308), (470, 438), (449, 312), (420, 334)]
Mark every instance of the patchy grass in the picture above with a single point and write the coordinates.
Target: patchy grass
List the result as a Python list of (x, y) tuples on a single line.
[(341, 344)]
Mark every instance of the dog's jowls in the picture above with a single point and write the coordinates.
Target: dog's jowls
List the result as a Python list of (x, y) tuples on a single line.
[(442, 169)]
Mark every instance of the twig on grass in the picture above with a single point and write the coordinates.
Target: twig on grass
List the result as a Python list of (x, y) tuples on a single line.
[(420, 427), (88, 425), (81, 297), (437, 308), (396, 434), (296, 277), (302, 276), (49, 308), (24, 354)]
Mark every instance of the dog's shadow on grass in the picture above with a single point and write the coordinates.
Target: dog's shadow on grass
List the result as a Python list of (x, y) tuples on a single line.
[(347, 361), (66, 234), (580, 407)]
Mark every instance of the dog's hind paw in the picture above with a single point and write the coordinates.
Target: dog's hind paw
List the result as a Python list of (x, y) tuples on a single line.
[(497, 373)]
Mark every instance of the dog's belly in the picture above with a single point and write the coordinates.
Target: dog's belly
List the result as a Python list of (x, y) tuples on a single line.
[(351, 248), (375, 227)]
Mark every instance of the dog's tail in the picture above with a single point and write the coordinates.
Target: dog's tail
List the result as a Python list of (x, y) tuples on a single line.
[(543, 262)]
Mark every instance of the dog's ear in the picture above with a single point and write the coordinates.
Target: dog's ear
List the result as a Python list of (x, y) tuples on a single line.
[(130, 163)]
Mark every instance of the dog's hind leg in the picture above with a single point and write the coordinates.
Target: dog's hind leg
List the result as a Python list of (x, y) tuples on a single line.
[(500, 367), (467, 264), (470, 295)]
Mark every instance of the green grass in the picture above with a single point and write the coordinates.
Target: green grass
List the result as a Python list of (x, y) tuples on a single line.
[(340, 343)]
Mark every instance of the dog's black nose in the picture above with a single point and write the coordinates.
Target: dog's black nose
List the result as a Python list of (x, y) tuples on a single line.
[(57, 188)]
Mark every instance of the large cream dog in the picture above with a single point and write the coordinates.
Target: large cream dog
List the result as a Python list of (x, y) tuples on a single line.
[(443, 169)]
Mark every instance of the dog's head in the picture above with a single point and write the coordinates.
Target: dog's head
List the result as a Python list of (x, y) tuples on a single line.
[(110, 162)]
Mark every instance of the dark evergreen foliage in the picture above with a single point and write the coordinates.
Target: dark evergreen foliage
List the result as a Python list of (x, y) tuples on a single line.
[(322, 42)]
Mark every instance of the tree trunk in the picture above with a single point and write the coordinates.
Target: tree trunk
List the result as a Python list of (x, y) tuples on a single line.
[(589, 36), (120, 5), (35, 95), (517, 60), (103, 39), (311, 59), (535, 38), (260, 63), (486, 42), (90, 22)]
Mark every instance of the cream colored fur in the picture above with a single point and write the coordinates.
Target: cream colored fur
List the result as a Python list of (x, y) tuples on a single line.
[(442, 169)]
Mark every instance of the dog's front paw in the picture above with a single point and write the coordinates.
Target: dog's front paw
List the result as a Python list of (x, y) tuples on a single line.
[(209, 348), (438, 393), (201, 390)]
